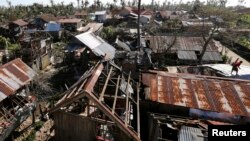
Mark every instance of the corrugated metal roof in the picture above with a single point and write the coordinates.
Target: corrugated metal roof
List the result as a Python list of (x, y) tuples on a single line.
[(94, 27), (212, 56), (74, 20), (53, 27), (190, 55), (190, 134), (196, 23), (225, 70), (82, 13), (13, 76), (100, 12), (182, 43), (47, 17), (98, 46), (201, 92), (186, 55), (122, 45), (20, 22)]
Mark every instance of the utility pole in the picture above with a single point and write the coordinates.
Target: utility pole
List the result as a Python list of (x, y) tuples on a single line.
[(138, 26)]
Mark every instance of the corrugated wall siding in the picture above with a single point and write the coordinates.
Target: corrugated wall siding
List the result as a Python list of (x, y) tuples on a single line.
[(69, 127)]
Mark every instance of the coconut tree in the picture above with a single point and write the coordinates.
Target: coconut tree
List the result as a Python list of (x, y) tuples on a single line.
[(86, 3), (78, 4), (115, 1), (98, 4)]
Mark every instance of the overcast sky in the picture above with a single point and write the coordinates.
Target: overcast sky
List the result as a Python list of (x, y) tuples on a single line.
[(45, 2)]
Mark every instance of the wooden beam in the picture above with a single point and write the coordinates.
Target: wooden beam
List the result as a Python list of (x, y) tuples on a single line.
[(127, 95), (93, 79), (138, 111), (116, 91), (113, 117), (65, 96), (105, 85)]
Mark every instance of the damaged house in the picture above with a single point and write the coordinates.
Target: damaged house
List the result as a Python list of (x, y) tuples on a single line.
[(36, 49), (15, 99), (17, 27), (87, 46), (184, 49), (191, 96), (102, 104), (96, 28), (71, 24), (42, 20)]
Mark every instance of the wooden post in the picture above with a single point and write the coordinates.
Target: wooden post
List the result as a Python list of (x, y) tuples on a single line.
[(138, 111), (116, 91), (127, 95)]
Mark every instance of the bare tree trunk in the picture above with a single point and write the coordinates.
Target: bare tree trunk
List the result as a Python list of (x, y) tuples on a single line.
[(204, 48)]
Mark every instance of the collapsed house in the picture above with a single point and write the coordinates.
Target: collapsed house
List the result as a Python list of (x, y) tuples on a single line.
[(15, 100), (102, 104), (36, 49)]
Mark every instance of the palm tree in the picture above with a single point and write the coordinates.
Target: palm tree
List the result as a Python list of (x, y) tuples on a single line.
[(82, 4), (123, 3), (78, 4), (86, 3), (98, 3), (115, 1), (52, 3)]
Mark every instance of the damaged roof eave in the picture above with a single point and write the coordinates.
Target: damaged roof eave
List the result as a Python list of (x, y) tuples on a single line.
[(97, 45)]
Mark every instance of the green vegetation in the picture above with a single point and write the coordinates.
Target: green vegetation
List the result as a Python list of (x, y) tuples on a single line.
[(37, 126), (244, 21), (244, 41), (225, 58), (12, 48), (12, 13), (109, 33)]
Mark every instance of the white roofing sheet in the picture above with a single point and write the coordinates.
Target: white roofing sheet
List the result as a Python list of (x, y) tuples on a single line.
[(89, 39), (225, 69), (98, 46), (100, 12)]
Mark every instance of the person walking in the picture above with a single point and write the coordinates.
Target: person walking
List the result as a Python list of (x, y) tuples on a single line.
[(236, 66)]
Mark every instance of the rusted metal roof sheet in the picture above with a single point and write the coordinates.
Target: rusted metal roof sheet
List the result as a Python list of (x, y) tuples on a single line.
[(82, 13), (201, 92), (13, 76), (94, 27), (158, 43), (20, 22), (47, 17), (74, 20)]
